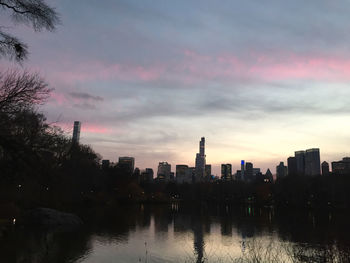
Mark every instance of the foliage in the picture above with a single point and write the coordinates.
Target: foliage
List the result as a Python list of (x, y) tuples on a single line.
[(35, 13)]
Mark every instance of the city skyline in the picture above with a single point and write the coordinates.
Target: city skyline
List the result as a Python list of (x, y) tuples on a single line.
[(258, 81)]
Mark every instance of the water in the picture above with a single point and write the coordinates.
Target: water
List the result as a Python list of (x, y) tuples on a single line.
[(174, 233)]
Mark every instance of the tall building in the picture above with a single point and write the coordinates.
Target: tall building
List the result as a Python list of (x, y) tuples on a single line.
[(312, 162), (200, 161), (76, 132), (147, 175), (255, 171), (226, 172), (242, 171), (292, 166), (281, 170), (208, 172), (249, 171), (300, 162), (341, 167), (183, 174), (127, 164), (164, 171), (325, 168), (268, 175)]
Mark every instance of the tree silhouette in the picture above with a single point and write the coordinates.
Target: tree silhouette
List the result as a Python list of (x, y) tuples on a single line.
[(35, 13)]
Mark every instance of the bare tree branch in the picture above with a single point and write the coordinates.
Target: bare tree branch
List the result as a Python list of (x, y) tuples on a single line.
[(33, 12), (21, 90), (12, 47)]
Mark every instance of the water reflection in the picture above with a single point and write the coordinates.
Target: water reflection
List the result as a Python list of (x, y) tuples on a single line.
[(176, 233)]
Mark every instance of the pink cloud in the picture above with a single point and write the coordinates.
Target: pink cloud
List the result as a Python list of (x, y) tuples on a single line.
[(93, 128), (262, 67), (85, 128)]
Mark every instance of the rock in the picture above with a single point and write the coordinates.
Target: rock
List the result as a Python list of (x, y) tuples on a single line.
[(49, 218)]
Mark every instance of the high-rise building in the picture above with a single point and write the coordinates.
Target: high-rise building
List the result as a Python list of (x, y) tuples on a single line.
[(255, 171), (164, 171), (341, 167), (312, 162), (147, 175), (325, 168), (300, 162), (200, 161), (226, 172), (208, 172), (127, 164), (249, 171), (268, 175), (183, 174), (242, 171), (281, 170), (292, 166), (76, 132)]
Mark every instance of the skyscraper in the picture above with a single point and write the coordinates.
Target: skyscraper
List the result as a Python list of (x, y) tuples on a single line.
[(242, 171), (312, 162), (249, 171), (300, 162), (341, 167), (325, 168), (183, 175), (226, 172), (164, 171), (281, 170), (127, 164), (200, 161), (208, 172), (292, 166), (76, 132)]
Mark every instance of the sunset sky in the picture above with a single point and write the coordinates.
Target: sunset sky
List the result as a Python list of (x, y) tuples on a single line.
[(258, 79)]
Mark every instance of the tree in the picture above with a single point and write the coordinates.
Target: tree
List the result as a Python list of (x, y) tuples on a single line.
[(35, 13), (20, 91)]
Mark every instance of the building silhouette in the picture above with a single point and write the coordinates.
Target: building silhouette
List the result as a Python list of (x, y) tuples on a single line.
[(226, 172), (164, 171), (76, 132), (200, 162), (242, 171), (147, 175), (325, 168), (341, 167), (292, 166), (281, 170), (300, 162), (268, 175), (249, 171), (312, 162), (127, 164), (181, 173), (208, 172)]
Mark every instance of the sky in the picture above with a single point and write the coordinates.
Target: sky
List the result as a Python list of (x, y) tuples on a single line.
[(258, 79)]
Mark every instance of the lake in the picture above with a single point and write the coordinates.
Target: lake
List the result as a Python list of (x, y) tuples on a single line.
[(179, 233)]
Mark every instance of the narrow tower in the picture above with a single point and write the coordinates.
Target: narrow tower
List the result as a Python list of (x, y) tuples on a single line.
[(76, 132), (200, 161)]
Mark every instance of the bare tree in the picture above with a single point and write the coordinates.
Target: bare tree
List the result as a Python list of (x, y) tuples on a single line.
[(21, 90), (35, 13)]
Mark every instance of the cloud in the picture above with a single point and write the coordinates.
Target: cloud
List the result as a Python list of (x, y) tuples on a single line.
[(85, 96)]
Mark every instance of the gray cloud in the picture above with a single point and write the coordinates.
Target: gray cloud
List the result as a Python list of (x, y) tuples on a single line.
[(85, 96)]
